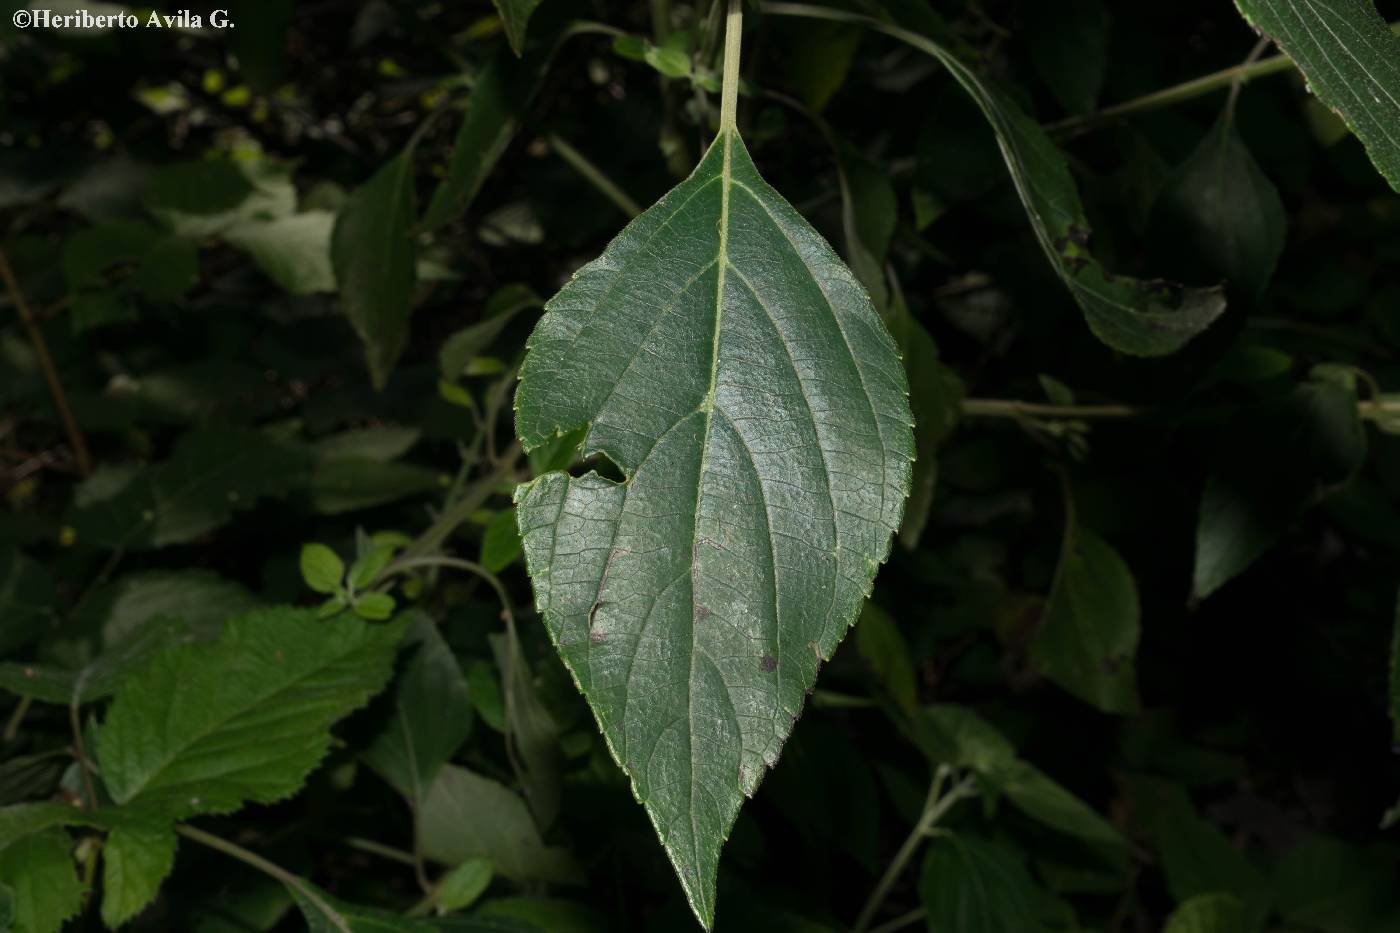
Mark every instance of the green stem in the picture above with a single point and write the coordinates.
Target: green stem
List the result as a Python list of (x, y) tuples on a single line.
[(729, 90), (379, 849), (1012, 408), (46, 365), (935, 808), (593, 175), (271, 869), (661, 19), (902, 921), (1372, 409), (457, 512)]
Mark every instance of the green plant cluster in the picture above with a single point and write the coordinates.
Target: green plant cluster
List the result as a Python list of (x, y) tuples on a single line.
[(955, 484)]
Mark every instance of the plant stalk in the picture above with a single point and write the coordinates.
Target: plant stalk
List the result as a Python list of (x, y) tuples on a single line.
[(593, 175), (272, 869), (41, 350), (935, 808), (1372, 409), (729, 91)]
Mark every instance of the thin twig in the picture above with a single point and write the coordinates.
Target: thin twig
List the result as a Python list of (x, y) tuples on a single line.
[(936, 807), (902, 921), (377, 848), (1012, 408), (594, 175), (272, 869), (41, 350), (17, 718), (75, 722)]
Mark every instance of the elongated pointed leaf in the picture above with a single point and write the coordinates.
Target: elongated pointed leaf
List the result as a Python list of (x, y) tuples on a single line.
[(515, 17), (1352, 63), (375, 258), (735, 371), (1137, 316)]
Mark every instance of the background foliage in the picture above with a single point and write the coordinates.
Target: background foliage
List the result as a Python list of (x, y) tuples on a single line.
[(266, 644)]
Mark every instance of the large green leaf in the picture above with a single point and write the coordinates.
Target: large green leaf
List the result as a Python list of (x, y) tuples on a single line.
[(205, 728), (39, 870), (432, 714), (375, 257), (731, 366), (468, 816), (1141, 317), (135, 860), (975, 885), (1220, 213), (1352, 63), (1088, 638)]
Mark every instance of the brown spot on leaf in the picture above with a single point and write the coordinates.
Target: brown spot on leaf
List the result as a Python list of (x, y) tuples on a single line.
[(597, 638), (701, 612), (768, 664)]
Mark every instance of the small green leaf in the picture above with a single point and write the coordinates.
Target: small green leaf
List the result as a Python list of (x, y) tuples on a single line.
[(135, 861), (374, 254), (39, 870), (883, 648), (515, 16), (1274, 459), (321, 568), (1195, 855), (503, 306), (500, 543), (1088, 638), (461, 886), (977, 886), (1351, 60), (374, 606), (295, 252), (368, 565), (256, 713), (380, 443), (484, 688), (1219, 214), (503, 91), (432, 714), (1209, 913), (736, 372), (469, 816), (209, 196), (352, 484), (1325, 884)]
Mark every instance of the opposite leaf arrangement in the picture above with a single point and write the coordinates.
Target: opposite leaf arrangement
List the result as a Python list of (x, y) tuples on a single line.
[(752, 417)]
